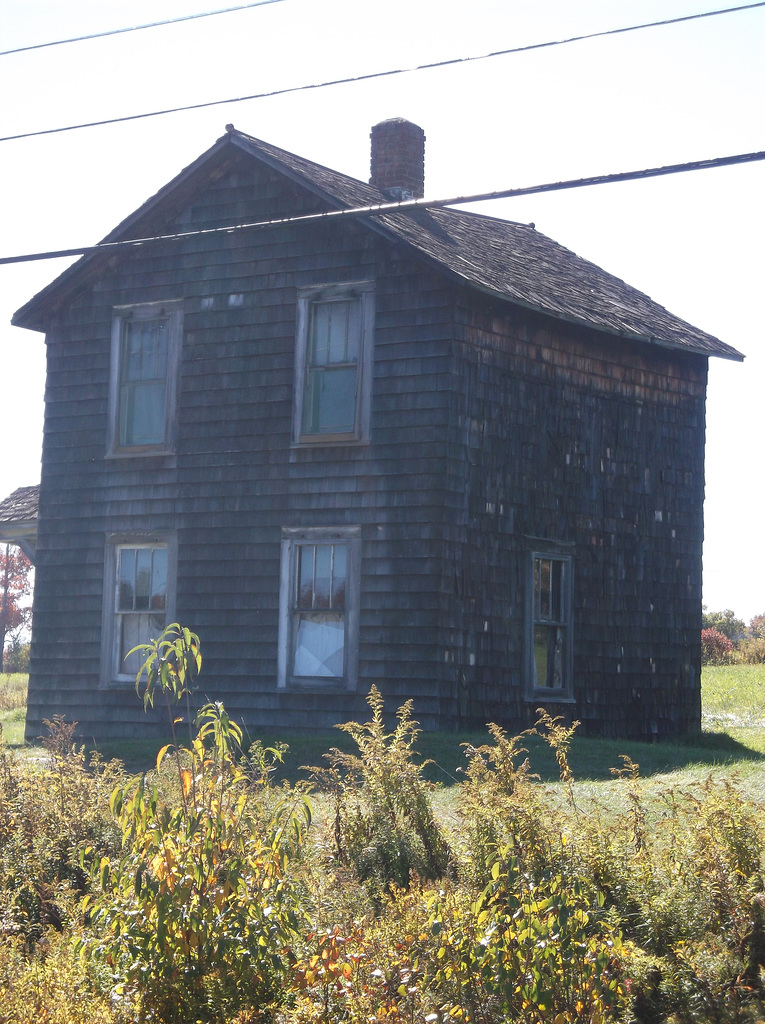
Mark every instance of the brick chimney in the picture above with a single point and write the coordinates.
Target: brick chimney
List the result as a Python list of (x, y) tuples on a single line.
[(398, 158)]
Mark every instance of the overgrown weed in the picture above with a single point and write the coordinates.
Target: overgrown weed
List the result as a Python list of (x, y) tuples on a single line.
[(210, 897)]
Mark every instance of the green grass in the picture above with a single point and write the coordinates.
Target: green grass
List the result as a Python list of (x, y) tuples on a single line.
[(13, 706), (734, 735), (733, 696)]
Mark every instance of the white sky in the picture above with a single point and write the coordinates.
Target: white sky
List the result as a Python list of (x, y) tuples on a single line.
[(658, 96)]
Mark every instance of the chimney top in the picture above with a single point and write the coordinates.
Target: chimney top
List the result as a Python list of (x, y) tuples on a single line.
[(398, 158)]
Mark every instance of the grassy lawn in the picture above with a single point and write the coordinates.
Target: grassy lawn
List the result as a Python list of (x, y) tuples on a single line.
[(733, 722), (13, 707), (733, 696)]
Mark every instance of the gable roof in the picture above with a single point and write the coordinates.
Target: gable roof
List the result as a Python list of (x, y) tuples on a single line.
[(509, 261)]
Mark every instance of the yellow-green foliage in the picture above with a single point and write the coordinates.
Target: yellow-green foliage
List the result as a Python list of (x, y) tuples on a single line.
[(195, 915), (527, 951), (46, 810), (501, 806), (212, 898), (13, 690), (50, 986), (384, 822)]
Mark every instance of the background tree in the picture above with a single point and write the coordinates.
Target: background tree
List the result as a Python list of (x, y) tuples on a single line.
[(724, 622), (15, 584)]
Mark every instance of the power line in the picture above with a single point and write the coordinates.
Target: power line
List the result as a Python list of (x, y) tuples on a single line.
[(406, 205), (380, 74), (136, 28)]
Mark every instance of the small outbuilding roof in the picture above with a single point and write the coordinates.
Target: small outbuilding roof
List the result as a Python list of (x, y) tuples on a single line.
[(18, 519), (510, 261)]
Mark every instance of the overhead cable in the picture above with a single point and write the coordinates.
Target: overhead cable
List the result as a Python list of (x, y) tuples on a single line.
[(379, 74), (136, 28), (396, 207)]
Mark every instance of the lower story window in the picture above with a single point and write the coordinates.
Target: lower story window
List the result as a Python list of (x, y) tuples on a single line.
[(549, 629), (318, 623), (141, 601), (139, 576)]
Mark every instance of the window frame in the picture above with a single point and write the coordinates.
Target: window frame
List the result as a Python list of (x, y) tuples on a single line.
[(292, 540), (111, 674), (172, 311), (307, 299), (535, 691)]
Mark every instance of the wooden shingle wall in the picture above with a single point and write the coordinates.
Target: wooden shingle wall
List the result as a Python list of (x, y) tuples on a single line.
[(596, 443), (488, 427), (235, 481)]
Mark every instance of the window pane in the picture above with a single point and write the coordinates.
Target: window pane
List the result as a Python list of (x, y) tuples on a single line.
[(142, 413), (141, 601), (335, 330), (306, 554), (338, 576), (158, 600), (126, 580), (134, 630), (144, 350), (330, 401), (322, 576), (142, 578), (549, 644), (143, 382), (319, 645), (542, 588), (556, 591)]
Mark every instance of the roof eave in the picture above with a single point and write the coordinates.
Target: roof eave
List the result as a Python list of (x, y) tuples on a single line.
[(36, 314)]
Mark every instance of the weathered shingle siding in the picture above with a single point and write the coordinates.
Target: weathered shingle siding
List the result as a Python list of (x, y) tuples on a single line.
[(235, 481), (490, 426), (598, 443)]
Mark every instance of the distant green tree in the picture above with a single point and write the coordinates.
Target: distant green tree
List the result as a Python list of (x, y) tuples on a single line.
[(757, 627), (724, 622)]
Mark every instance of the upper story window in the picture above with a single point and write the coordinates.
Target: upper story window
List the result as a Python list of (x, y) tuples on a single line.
[(145, 348), (319, 608), (549, 625), (333, 364)]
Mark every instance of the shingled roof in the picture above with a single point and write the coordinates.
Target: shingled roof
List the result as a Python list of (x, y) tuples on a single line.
[(18, 519), (510, 261)]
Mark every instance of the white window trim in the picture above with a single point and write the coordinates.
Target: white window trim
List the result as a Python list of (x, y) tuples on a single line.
[(110, 653), (363, 290), (565, 693), (292, 539), (173, 310)]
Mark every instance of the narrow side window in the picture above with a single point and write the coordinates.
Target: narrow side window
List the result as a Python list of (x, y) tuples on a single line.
[(145, 347), (549, 625), (333, 363)]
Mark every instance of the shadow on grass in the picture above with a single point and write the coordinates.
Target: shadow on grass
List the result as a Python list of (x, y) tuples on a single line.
[(590, 759)]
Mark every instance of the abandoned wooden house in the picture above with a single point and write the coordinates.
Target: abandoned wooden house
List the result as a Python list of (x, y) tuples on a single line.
[(420, 448)]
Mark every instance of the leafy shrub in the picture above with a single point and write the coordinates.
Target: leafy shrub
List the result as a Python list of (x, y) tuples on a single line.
[(47, 810), (384, 823), (500, 806), (527, 951), (50, 985), (751, 651), (16, 656), (195, 914), (716, 647)]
